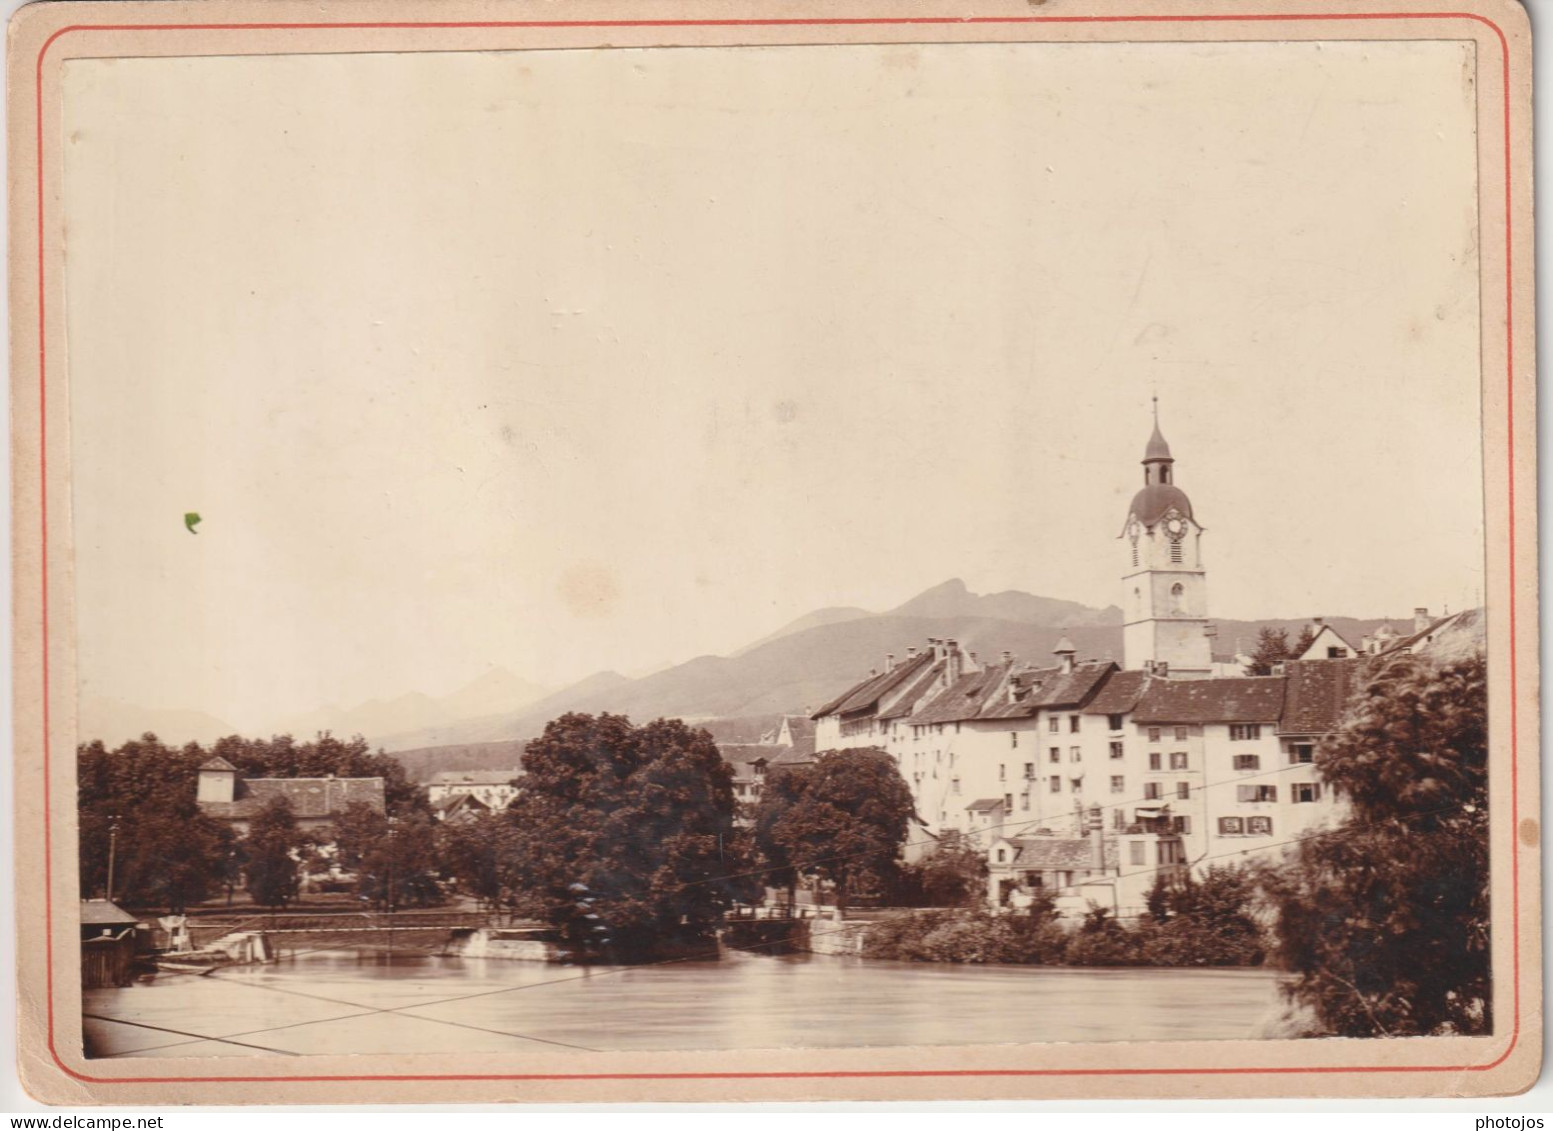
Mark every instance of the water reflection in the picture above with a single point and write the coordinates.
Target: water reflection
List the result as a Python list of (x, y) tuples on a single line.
[(334, 1003)]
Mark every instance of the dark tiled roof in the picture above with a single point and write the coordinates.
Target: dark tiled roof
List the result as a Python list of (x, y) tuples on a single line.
[(218, 763), (800, 727), (1317, 693), (1050, 688), (747, 754), (101, 913), (982, 805), (1057, 853), (475, 777), (907, 701), (1248, 700), (309, 797), (970, 695), (866, 695), (1119, 694), (1458, 632), (458, 801)]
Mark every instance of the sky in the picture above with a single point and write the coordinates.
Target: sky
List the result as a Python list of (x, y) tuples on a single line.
[(565, 361)]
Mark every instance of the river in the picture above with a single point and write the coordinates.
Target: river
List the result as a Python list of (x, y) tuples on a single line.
[(336, 1002)]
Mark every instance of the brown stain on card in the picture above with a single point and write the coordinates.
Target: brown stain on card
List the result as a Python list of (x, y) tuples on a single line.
[(589, 589), (1531, 832)]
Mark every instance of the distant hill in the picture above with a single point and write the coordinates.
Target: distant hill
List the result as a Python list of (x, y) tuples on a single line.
[(421, 763), (506, 725), (115, 722), (810, 620), (814, 658), (791, 671), (953, 599)]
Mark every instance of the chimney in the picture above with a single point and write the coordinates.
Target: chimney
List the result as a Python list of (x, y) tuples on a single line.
[(1279, 669), (911, 653), (1008, 656), (889, 661), (1317, 622), (952, 661), (1420, 619)]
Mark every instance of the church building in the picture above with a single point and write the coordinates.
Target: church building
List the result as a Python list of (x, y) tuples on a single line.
[(1165, 587)]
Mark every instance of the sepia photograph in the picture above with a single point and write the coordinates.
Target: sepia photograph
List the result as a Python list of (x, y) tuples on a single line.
[(746, 548)]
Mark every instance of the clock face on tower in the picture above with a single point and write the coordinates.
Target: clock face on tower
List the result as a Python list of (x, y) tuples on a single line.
[(1175, 527)]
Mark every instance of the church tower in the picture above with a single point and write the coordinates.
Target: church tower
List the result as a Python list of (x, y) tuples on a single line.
[(1165, 588)]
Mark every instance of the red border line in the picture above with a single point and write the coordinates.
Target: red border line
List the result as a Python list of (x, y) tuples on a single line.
[(822, 22)]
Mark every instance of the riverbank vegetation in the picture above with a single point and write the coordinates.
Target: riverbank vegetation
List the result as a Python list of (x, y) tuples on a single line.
[(1190, 922)]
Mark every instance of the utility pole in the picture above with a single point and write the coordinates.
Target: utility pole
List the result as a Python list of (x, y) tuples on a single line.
[(113, 843), (391, 851)]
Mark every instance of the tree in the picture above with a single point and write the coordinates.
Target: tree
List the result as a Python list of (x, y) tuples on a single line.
[(843, 818), (952, 874), (640, 817), (481, 855), (394, 858), (1384, 919), (1204, 921), (1302, 644), (1272, 647), (137, 803), (273, 843)]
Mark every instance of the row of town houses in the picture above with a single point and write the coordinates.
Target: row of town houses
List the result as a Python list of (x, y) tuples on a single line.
[(1081, 776), (1091, 777)]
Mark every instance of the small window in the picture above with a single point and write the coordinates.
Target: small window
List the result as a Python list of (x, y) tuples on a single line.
[(1305, 792), (1182, 825), (1024, 802), (1336, 653), (954, 785), (1118, 783), (1013, 739), (1155, 760), (1116, 749), (1135, 850), (1256, 793), (1053, 724), (1183, 790), (1056, 754), (1181, 734), (1259, 826), (1029, 771), (1008, 803), (1075, 753), (1302, 753), (1114, 721), (1002, 856), (1077, 785), (1232, 826), (1151, 791), (1002, 772), (1178, 760), (1056, 786), (1073, 724), (1245, 732), (957, 728), (1248, 762), (1154, 734)]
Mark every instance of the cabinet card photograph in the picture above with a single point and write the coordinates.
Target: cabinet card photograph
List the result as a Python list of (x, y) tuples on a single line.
[(662, 551)]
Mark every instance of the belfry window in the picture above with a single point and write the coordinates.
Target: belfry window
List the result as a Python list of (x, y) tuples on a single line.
[(1175, 552)]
